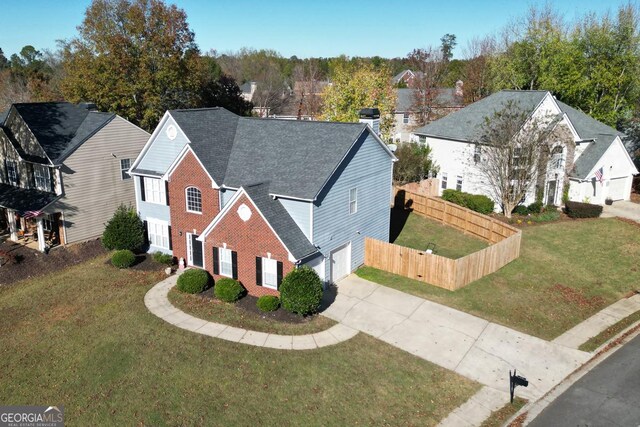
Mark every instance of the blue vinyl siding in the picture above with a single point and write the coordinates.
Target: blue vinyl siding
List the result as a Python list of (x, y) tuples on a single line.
[(225, 196), (152, 210), (368, 168), (163, 151), (300, 212)]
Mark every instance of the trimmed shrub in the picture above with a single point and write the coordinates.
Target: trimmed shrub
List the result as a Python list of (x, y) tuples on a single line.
[(582, 210), (228, 290), (268, 303), (123, 258), (163, 258), (521, 210), (301, 291), (475, 202), (535, 207), (124, 230), (546, 216), (194, 281)]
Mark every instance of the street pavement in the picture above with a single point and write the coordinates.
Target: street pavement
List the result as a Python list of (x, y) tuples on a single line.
[(609, 395)]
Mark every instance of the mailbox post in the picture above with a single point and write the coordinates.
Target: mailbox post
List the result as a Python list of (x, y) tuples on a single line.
[(516, 380)]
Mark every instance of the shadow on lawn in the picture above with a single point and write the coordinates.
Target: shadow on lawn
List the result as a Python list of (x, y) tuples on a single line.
[(399, 215)]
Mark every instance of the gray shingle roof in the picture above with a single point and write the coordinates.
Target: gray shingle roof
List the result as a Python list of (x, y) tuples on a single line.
[(24, 199), (282, 223), (589, 128), (60, 127), (296, 157), (465, 124), (446, 98)]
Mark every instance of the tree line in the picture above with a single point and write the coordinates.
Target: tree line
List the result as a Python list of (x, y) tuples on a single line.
[(139, 58)]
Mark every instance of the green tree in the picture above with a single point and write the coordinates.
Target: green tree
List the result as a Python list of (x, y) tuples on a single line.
[(356, 88), (4, 62), (124, 230), (134, 57), (414, 164), (448, 43)]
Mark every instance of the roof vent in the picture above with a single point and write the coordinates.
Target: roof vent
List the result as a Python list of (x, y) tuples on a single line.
[(88, 106)]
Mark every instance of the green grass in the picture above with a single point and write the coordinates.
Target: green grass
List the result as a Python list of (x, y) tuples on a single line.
[(419, 231), (567, 271), (83, 338), (221, 312), (499, 417), (613, 330)]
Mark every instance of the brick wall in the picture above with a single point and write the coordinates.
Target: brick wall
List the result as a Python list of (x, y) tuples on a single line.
[(189, 173), (249, 239)]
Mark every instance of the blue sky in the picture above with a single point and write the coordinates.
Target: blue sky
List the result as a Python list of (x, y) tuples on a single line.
[(301, 28)]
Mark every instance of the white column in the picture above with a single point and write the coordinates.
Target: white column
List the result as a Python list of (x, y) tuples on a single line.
[(11, 219), (41, 242)]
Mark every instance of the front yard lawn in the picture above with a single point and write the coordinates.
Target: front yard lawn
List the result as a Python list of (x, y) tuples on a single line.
[(83, 338), (415, 231), (566, 272)]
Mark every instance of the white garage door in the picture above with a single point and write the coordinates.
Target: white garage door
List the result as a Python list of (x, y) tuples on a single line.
[(340, 262), (617, 188)]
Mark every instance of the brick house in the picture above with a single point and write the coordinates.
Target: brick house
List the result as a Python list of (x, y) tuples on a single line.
[(254, 198)]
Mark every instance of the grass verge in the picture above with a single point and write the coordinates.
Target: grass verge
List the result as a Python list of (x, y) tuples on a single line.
[(566, 272), (499, 417), (83, 338), (613, 330), (229, 314)]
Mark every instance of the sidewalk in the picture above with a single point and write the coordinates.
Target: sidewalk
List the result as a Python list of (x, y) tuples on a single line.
[(157, 302), (472, 347)]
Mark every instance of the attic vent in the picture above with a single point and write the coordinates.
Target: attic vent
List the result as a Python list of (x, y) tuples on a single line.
[(88, 106)]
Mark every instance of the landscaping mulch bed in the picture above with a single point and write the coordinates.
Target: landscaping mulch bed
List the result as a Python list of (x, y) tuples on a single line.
[(248, 303), (144, 262), (32, 263)]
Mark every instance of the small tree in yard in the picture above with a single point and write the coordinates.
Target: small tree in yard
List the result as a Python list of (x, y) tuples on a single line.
[(514, 152), (301, 291), (124, 230), (414, 163)]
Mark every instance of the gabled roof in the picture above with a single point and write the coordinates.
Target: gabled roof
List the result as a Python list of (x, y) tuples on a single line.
[(275, 215), (396, 79), (446, 97), (466, 124), (296, 157), (60, 127)]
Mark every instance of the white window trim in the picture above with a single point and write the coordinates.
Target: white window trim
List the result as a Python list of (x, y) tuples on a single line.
[(46, 177), (353, 201), (222, 251), (149, 190), (274, 264), (459, 182), (124, 176), (16, 176), (444, 183), (165, 228), (186, 200)]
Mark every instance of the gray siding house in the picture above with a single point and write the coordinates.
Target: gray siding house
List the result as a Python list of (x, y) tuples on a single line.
[(63, 170), (320, 187)]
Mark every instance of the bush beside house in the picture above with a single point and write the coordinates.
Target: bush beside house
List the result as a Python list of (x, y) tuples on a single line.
[(124, 230), (301, 291), (582, 210), (475, 202), (123, 258), (228, 290), (268, 303), (193, 281)]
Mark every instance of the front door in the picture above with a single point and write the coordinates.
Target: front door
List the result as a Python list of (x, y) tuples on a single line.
[(195, 250), (551, 193)]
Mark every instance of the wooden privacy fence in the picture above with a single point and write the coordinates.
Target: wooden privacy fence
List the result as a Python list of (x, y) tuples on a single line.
[(437, 270)]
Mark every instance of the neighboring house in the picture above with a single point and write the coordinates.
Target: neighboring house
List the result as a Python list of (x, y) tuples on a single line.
[(586, 155), (254, 198), (248, 89), (63, 169), (406, 77), (447, 100)]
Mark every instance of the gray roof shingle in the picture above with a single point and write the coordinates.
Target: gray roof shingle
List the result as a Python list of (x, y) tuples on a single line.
[(24, 199), (60, 127), (466, 124), (282, 223)]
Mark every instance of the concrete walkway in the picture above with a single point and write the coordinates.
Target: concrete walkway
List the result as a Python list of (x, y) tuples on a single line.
[(157, 302), (477, 409), (600, 321), (472, 347)]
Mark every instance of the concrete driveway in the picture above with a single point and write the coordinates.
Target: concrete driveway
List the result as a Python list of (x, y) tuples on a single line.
[(468, 345), (623, 209)]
